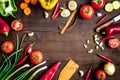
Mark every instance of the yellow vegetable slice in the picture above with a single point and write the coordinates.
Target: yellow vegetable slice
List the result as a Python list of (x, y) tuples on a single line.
[(68, 71)]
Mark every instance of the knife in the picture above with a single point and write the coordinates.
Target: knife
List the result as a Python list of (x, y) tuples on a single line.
[(115, 19)]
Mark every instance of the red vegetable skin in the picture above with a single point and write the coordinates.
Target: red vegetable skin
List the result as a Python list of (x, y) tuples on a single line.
[(56, 15), (56, 8), (114, 43), (100, 75), (4, 28), (104, 57), (86, 11), (88, 73), (28, 47), (25, 54), (98, 4), (111, 31), (51, 72), (101, 20), (17, 25), (36, 57), (21, 61)]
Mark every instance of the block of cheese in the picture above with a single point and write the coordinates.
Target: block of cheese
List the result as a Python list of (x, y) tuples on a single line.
[(68, 71)]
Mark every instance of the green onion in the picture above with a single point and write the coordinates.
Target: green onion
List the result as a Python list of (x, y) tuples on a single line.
[(23, 75), (24, 66), (35, 73)]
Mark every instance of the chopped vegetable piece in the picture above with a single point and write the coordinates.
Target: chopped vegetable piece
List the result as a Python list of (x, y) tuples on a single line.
[(72, 5), (68, 71), (65, 13), (27, 1), (23, 5), (27, 11), (116, 4), (109, 7), (33, 2)]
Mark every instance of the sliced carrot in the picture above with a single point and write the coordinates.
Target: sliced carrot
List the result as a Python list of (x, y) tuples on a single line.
[(27, 11), (23, 5), (27, 1), (33, 2)]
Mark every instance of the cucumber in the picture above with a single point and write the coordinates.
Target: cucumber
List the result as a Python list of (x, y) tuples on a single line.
[(116, 4), (109, 7)]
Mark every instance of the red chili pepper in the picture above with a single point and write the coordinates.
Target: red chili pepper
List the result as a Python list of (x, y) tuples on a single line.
[(28, 47), (101, 20), (51, 72), (56, 15), (111, 31), (88, 73), (4, 28), (25, 52), (56, 8), (104, 57), (21, 61)]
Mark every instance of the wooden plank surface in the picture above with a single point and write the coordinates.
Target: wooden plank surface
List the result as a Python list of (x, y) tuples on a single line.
[(57, 47)]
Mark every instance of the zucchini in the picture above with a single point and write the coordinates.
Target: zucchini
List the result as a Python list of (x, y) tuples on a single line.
[(116, 4), (109, 7)]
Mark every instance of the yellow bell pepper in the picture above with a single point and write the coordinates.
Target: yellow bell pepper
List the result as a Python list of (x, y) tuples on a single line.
[(48, 4)]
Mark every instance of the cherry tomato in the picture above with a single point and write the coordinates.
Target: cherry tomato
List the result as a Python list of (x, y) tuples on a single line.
[(114, 43), (7, 47), (98, 4), (17, 25), (100, 75), (36, 57), (86, 12)]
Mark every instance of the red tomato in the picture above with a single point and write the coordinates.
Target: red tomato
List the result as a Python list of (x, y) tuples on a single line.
[(36, 57), (7, 47), (17, 25), (98, 4), (114, 43), (100, 75), (86, 12)]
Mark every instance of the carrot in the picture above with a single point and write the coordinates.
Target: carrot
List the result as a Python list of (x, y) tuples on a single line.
[(27, 1), (27, 11), (33, 2), (23, 5), (68, 22)]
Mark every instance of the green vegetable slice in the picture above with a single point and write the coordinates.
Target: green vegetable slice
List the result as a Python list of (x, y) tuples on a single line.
[(109, 7), (116, 4)]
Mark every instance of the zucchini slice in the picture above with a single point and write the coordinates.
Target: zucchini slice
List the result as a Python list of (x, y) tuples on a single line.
[(109, 7), (116, 4)]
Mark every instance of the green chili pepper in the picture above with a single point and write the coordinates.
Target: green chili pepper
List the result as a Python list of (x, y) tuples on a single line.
[(7, 8)]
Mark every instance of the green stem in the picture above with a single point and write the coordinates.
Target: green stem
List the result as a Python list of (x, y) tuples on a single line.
[(26, 65), (35, 73), (9, 57), (23, 75)]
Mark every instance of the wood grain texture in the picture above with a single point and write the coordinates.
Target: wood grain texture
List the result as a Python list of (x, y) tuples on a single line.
[(57, 47)]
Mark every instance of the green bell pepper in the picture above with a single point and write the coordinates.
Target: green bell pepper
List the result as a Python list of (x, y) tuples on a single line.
[(7, 8)]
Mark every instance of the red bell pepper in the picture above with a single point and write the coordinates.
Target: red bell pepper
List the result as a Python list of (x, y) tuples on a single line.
[(111, 31), (4, 28), (51, 72)]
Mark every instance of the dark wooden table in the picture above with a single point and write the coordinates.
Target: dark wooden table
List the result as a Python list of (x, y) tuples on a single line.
[(57, 47)]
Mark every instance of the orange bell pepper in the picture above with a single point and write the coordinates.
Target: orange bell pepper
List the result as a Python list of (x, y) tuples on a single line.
[(48, 4)]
